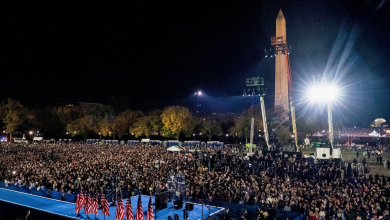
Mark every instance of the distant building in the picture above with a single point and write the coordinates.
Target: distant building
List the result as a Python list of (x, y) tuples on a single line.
[(76, 107), (85, 104), (377, 123)]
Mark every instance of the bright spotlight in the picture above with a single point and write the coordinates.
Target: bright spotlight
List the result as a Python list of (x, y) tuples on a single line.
[(199, 93), (323, 93)]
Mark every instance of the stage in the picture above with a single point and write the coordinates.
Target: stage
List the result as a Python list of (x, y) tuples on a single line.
[(66, 209)]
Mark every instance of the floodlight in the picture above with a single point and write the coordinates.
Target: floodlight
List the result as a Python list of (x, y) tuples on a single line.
[(321, 93), (325, 93)]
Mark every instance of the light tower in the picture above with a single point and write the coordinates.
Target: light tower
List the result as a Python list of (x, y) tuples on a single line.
[(255, 87)]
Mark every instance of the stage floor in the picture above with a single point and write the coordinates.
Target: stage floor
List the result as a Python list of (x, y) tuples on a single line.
[(66, 209)]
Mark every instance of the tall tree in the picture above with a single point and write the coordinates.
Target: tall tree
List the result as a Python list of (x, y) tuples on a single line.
[(177, 120), (83, 126), (13, 114), (254, 112), (63, 115), (283, 134), (125, 120), (242, 128), (147, 125), (211, 128)]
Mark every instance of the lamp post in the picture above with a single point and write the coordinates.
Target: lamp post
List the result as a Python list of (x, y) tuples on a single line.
[(325, 93), (196, 110), (227, 138)]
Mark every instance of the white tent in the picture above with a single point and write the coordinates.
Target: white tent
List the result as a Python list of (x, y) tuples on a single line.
[(38, 139), (374, 134), (318, 134), (174, 148)]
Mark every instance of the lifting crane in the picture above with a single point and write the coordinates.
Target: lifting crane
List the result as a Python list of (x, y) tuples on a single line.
[(255, 86)]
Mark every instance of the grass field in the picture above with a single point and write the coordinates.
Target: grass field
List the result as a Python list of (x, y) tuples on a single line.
[(348, 156)]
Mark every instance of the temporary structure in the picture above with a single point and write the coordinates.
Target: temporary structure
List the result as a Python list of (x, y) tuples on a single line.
[(174, 148), (374, 134)]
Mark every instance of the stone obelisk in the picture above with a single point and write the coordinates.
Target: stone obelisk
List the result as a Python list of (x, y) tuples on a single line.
[(281, 68)]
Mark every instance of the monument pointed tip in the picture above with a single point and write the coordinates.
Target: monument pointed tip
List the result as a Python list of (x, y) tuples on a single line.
[(280, 13)]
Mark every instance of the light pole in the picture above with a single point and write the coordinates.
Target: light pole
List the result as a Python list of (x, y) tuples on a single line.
[(264, 117), (325, 93), (196, 101), (227, 138)]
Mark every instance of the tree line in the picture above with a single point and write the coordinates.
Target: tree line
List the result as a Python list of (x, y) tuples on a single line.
[(176, 122)]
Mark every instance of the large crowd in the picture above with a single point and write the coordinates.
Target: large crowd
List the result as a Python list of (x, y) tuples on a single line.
[(269, 181)]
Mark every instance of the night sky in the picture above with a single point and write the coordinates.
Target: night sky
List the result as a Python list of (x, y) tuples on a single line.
[(159, 54)]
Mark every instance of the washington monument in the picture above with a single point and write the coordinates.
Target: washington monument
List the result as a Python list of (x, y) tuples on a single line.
[(282, 73)]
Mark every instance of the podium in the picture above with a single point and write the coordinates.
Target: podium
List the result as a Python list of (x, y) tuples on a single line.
[(189, 206), (178, 204), (161, 201)]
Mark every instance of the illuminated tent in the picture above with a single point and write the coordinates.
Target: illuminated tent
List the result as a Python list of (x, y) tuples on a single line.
[(374, 134), (174, 148), (318, 134)]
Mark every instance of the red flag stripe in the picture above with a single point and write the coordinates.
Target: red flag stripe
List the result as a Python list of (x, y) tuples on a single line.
[(77, 203), (140, 211), (87, 204), (105, 208), (120, 210), (80, 202), (129, 210), (150, 215)]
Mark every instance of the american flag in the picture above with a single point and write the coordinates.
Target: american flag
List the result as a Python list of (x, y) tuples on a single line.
[(77, 203), (129, 210), (87, 204), (105, 208), (150, 215), (80, 202), (95, 206), (90, 208), (120, 210), (140, 211)]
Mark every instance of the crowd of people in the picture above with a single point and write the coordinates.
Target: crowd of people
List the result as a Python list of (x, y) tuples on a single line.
[(268, 180)]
